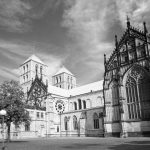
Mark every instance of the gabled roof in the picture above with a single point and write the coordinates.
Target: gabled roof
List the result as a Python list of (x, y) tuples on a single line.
[(34, 58), (63, 70)]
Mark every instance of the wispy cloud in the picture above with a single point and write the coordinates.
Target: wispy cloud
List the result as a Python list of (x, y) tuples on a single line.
[(93, 24), (13, 15), (14, 53), (18, 15)]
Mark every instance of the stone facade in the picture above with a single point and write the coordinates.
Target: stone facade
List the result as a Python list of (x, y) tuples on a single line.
[(59, 111), (127, 85)]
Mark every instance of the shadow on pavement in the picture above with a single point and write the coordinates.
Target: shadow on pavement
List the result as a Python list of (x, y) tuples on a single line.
[(134, 145), (81, 146)]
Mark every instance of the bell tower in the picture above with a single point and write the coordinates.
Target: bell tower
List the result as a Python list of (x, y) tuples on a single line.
[(64, 79), (29, 69)]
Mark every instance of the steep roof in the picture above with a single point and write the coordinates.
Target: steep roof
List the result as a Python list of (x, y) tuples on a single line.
[(63, 70), (34, 58)]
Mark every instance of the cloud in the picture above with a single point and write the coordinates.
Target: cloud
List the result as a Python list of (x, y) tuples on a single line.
[(18, 15), (86, 24), (137, 10), (13, 15), (93, 24), (14, 53)]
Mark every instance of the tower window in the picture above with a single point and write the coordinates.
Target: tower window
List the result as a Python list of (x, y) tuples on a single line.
[(79, 103), (75, 105), (24, 69), (84, 104), (27, 67), (56, 79)]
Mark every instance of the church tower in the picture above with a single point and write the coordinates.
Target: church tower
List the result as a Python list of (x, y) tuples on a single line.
[(28, 72), (64, 79)]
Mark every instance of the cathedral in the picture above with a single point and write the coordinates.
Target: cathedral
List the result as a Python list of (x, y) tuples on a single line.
[(127, 85), (117, 106), (60, 108)]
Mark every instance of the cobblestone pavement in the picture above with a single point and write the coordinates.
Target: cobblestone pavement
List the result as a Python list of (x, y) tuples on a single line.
[(80, 144)]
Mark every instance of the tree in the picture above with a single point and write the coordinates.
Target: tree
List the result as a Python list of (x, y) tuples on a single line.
[(11, 99)]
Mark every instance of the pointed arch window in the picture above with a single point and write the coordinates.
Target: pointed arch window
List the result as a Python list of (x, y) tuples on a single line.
[(84, 104), (79, 103), (56, 79), (96, 121), (138, 95), (75, 105), (75, 124)]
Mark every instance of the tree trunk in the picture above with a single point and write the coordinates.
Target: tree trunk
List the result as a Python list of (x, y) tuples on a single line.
[(8, 132)]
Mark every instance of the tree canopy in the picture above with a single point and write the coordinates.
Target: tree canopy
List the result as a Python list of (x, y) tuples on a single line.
[(11, 99)]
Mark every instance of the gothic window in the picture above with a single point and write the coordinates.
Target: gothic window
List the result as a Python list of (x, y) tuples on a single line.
[(24, 69), (66, 123), (60, 78), (96, 121), (75, 124), (24, 78), (38, 114), (84, 104), (68, 79), (132, 99), (27, 127), (27, 77), (75, 105), (27, 67), (79, 103), (56, 79), (138, 96)]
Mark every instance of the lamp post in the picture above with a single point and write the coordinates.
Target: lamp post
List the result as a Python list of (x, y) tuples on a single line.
[(3, 114)]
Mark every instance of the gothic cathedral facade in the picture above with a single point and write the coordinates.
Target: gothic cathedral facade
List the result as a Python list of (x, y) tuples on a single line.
[(126, 86)]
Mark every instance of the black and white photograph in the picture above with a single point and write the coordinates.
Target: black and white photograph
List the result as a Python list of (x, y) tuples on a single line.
[(74, 74)]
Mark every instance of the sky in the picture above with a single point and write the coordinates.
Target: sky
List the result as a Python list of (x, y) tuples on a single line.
[(73, 33)]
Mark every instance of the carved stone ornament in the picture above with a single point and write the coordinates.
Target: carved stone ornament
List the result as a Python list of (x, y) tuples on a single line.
[(137, 73), (60, 106)]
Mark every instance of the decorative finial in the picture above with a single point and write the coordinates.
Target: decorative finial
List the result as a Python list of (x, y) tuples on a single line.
[(116, 41), (128, 22), (36, 70), (145, 28), (104, 58)]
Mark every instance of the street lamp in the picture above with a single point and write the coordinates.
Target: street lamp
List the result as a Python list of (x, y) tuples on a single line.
[(3, 114)]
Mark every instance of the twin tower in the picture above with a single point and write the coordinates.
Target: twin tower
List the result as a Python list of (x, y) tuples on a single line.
[(34, 66)]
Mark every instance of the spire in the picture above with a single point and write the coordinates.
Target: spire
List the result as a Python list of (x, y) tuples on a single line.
[(104, 59), (116, 41), (41, 69), (128, 22), (36, 70), (145, 28)]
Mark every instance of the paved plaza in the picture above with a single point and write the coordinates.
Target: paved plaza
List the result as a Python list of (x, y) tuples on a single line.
[(80, 144)]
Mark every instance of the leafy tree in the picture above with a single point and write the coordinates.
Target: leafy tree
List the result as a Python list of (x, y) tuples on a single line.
[(11, 99)]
